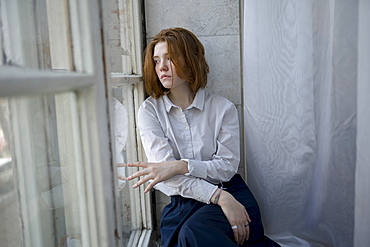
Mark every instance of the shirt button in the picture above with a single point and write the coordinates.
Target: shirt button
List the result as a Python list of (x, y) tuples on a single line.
[(189, 145), (187, 127)]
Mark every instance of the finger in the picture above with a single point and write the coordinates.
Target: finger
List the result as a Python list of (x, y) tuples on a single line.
[(121, 165), (236, 235), (150, 186), (141, 181), (138, 164), (248, 219), (242, 233), (138, 174), (247, 228), (122, 177)]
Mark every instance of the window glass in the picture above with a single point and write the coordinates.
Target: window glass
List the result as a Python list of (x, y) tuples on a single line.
[(125, 36), (59, 35), (10, 226), (126, 47), (41, 172), (35, 35)]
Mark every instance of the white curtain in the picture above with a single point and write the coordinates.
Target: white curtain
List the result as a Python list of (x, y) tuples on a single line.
[(300, 86), (362, 178)]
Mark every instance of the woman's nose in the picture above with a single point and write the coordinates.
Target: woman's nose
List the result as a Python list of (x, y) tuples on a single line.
[(163, 65)]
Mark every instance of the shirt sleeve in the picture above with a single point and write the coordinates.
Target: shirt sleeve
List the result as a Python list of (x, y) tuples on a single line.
[(158, 149), (225, 161), (189, 187)]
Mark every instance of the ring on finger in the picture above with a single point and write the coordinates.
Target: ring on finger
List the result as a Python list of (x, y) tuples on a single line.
[(246, 224), (234, 227)]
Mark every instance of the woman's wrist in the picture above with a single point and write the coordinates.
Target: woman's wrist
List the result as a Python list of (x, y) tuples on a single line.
[(183, 167), (216, 196), (224, 198)]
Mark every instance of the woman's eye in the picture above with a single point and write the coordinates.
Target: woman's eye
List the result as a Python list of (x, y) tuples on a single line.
[(157, 61)]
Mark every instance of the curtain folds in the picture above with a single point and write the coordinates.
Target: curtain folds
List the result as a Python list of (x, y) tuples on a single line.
[(300, 116), (362, 177)]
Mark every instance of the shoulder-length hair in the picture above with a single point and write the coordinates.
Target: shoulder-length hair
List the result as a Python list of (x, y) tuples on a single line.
[(186, 53)]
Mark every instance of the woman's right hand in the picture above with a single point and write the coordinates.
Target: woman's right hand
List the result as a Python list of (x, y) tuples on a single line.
[(236, 215), (157, 172)]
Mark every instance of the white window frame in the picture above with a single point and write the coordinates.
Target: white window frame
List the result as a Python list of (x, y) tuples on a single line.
[(131, 38)]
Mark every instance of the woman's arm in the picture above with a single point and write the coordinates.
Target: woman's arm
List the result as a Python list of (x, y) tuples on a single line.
[(157, 172), (235, 213), (153, 120), (164, 176), (165, 171)]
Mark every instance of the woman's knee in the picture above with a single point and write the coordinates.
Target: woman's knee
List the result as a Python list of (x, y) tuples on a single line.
[(199, 235), (187, 236)]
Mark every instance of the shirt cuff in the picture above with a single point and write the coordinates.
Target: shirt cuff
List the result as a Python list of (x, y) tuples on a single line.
[(187, 161), (206, 193), (197, 169)]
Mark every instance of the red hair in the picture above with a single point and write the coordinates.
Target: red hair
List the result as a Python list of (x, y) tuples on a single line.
[(186, 53)]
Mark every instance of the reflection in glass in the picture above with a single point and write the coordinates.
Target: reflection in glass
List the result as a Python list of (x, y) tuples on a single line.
[(10, 227), (120, 123), (125, 101), (41, 172)]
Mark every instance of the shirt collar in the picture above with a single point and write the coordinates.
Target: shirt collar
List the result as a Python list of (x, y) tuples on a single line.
[(198, 101)]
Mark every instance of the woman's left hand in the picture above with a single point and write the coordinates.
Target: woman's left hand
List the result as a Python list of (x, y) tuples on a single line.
[(158, 172), (237, 216)]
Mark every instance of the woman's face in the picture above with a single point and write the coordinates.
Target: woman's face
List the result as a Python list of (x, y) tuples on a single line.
[(165, 69)]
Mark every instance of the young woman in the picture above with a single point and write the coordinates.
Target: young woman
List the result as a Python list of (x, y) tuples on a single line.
[(191, 139)]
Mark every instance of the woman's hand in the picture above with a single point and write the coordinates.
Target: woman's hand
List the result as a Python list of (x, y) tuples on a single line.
[(236, 215), (158, 172)]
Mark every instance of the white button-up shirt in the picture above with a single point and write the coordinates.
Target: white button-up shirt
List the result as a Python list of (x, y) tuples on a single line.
[(205, 134)]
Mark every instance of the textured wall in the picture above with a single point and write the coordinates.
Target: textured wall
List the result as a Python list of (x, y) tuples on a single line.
[(217, 25)]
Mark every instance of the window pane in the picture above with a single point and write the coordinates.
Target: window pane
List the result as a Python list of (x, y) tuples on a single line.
[(120, 123), (35, 34), (126, 101), (59, 33), (10, 227), (125, 36), (18, 22), (41, 172)]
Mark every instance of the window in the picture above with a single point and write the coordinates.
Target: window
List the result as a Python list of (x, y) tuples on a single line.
[(56, 175), (126, 46)]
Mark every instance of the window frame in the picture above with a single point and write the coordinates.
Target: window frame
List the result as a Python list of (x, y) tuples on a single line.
[(132, 36), (92, 83), (89, 81)]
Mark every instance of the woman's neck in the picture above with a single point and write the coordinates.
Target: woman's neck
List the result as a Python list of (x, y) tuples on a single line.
[(181, 97)]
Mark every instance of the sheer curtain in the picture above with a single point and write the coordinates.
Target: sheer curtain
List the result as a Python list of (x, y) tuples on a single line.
[(362, 178), (300, 116)]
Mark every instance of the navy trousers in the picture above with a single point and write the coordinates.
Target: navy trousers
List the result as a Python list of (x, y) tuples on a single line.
[(189, 223)]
